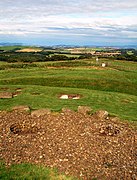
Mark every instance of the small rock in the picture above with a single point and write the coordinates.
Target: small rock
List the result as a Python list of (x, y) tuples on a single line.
[(64, 96), (134, 177), (66, 110), (15, 94), (41, 112), (21, 108), (74, 96), (102, 114), (18, 89), (84, 109)]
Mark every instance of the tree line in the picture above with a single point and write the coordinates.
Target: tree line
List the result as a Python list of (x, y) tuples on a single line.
[(12, 57), (30, 57)]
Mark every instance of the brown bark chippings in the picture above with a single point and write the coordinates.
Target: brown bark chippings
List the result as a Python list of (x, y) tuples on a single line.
[(77, 144)]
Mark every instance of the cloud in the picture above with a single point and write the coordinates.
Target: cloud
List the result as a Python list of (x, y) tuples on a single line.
[(100, 19), (25, 9)]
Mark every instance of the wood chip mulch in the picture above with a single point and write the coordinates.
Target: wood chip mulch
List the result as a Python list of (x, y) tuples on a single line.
[(77, 144)]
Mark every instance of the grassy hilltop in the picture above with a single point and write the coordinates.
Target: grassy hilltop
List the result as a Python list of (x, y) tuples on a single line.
[(112, 88), (38, 80)]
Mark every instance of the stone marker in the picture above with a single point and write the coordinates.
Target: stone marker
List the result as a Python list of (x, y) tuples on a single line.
[(40, 112), (84, 109), (76, 97), (70, 96), (64, 96), (21, 108), (101, 114), (67, 110), (103, 64)]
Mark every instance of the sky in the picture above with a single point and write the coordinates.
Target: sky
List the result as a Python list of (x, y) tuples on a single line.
[(69, 22)]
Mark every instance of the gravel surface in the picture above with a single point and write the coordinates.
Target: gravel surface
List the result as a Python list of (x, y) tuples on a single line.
[(77, 144)]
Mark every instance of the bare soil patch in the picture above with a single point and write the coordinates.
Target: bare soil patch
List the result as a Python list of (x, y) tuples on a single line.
[(4, 88), (6, 95), (78, 144)]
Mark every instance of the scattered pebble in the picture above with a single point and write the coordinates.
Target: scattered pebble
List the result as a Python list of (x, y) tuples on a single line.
[(78, 144)]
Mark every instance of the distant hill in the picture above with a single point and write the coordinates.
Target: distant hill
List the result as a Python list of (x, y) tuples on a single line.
[(69, 46), (10, 44)]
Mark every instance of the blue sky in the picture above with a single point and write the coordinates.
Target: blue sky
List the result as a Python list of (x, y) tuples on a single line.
[(52, 22)]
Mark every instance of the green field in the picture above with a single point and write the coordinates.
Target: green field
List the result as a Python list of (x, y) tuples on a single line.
[(12, 48), (112, 88), (9, 48)]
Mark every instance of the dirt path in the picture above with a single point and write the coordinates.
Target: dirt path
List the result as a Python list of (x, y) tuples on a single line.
[(80, 145)]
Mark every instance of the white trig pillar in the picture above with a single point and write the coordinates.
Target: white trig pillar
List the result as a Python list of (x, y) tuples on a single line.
[(103, 64)]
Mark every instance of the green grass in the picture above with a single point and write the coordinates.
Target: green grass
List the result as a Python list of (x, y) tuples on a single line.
[(30, 172), (122, 105), (113, 88), (103, 80)]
